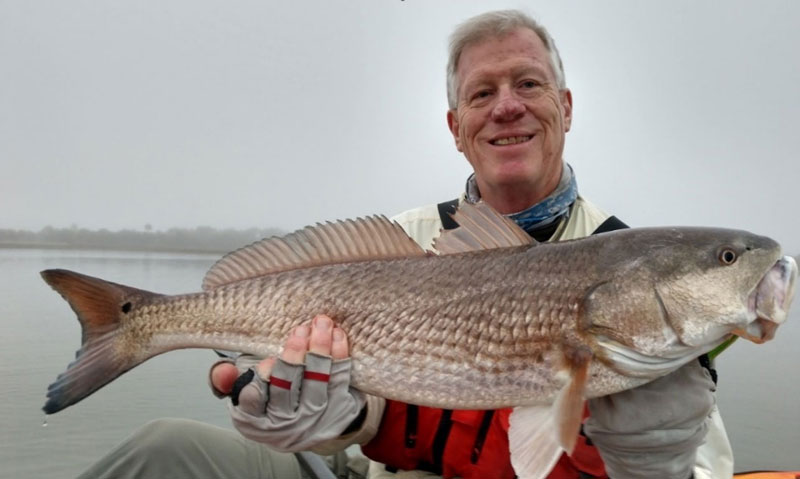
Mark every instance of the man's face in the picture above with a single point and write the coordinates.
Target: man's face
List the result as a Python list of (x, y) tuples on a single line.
[(511, 116)]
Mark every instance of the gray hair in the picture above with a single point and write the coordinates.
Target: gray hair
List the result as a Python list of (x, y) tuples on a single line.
[(493, 25)]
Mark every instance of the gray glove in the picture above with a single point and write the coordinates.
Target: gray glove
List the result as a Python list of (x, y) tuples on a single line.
[(653, 430), (298, 406)]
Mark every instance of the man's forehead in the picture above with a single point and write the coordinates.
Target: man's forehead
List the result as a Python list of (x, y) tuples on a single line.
[(511, 66)]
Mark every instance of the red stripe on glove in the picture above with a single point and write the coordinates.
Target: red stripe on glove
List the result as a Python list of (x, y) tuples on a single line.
[(280, 383), (316, 376)]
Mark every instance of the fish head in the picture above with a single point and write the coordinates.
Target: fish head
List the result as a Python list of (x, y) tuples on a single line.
[(717, 282), (673, 294)]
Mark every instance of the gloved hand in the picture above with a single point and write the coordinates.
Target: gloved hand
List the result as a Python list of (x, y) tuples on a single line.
[(300, 400), (653, 430)]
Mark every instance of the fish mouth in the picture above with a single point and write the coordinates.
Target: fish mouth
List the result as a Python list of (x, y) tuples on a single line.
[(770, 301)]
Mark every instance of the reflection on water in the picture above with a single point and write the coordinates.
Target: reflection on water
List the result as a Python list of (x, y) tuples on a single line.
[(758, 390)]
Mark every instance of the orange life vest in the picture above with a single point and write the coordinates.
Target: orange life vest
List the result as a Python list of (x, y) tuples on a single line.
[(466, 444)]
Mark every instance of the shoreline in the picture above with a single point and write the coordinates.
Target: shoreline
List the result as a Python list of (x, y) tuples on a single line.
[(66, 246)]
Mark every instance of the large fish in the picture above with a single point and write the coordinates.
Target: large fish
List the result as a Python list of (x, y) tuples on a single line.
[(494, 321)]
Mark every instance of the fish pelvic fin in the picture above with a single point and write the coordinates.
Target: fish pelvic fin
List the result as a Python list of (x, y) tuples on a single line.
[(539, 434), (534, 448), (101, 308)]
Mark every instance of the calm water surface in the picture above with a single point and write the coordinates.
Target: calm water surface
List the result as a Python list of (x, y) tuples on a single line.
[(758, 391)]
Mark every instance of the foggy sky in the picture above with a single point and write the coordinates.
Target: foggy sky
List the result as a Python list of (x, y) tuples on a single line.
[(266, 113)]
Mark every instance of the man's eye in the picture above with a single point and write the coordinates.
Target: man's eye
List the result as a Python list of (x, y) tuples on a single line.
[(529, 84), (482, 94)]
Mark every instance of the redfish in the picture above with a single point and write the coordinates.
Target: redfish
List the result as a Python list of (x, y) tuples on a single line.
[(493, 321)]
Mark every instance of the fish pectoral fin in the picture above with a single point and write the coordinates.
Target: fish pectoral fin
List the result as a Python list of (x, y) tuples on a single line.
[(568, 407), (538, 435), (480, 227)]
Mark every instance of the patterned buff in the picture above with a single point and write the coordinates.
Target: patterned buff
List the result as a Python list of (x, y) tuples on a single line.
[(545, 212)]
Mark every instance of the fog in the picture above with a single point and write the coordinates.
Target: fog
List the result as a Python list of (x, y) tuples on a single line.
[(248, 114)]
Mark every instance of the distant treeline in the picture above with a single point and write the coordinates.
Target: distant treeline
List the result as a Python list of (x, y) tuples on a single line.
[(203, 239)]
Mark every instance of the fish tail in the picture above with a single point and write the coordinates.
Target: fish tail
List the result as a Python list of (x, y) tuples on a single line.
[(101, 307)]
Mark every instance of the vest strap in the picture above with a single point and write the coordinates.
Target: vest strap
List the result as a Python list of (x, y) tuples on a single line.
[(440, 440), (446, 209), (480, 438), (610, 224), (412, 413)]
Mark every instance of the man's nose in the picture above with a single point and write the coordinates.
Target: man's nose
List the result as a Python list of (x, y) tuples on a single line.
[(507, 108)]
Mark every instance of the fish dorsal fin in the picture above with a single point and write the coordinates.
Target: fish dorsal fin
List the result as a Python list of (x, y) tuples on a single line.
[(363, 239), (480, 227), (538, 435)]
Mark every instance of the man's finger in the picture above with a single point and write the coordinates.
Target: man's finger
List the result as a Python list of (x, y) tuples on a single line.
[(223, 375), (264, 368), (294, 351), (340, 349), (321, 335), (284, 389), (251, 398), (314, 391)]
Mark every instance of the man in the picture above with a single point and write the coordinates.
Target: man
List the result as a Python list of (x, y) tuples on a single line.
[(509, 113)]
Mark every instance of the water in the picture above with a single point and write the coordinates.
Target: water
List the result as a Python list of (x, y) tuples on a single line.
[(38, 338), (758, 391)]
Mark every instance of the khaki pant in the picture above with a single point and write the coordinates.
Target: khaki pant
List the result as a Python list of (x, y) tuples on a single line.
[(180, 448)]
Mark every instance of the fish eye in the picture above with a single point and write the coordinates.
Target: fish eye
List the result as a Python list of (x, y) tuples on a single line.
[(727, 256)]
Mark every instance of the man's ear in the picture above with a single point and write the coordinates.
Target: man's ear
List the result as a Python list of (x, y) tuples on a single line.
[(452, 124), (566, 104)]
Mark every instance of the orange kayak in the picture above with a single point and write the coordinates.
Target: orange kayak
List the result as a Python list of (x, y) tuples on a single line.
[(768, 475)]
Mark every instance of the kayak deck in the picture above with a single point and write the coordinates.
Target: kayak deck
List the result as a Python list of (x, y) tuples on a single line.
[(768, 475)]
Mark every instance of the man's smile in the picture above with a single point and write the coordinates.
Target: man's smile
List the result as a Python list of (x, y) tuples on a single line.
[(511, 140)]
